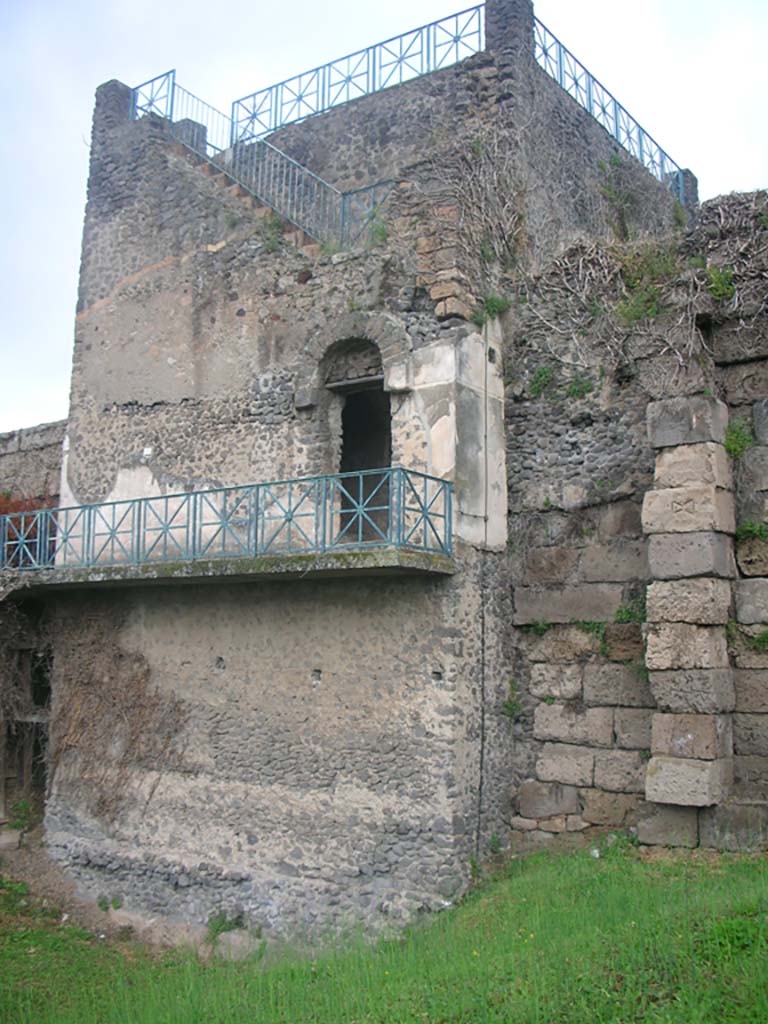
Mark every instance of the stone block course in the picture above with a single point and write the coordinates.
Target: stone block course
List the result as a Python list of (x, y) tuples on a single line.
[(593, 602), (702, 601), (696, 691), (561, 644), (675, 556), (669, 826), (755, 467), (751, 687), (751, 598), (760, 420), (689, 510), (675, 421), (546, 799), (566, 763), (689, 783), (563, 682), (752, 556), (618, 521), (734, 826), (620, 771), (591, 726), (746, 382), (750, 733), (704, 737), (611, 684), (633, 728), (550, 564), (691, 465), (614, 809), (680, 645), (622, 560)]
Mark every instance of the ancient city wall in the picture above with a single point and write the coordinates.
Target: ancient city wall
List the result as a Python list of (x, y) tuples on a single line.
[(30, 461)]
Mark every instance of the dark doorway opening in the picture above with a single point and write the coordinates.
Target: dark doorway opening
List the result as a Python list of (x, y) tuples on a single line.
[(366, 444)]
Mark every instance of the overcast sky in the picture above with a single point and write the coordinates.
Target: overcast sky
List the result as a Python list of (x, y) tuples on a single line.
[(693, 73)]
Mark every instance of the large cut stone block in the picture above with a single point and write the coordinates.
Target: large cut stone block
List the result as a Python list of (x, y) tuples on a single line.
[(633, 728), (751, 771), (616, 684), (567, 763), (560, 644), (614, 809), (592, 602), (676, 780), (622, 560), (752, 556), (674, 421), (545, 799), (702, 601), (593, 726), (751, 601), (760, 420), (673, 556), (698, 691), (680, 645), (563, 682), (624, 641), (755, 468), (751, 686), (693, 464), (669, 826), (734, 827), (689, 510), (746, 382), (704, 737), (620, 771), (750, 734), (550, 564)]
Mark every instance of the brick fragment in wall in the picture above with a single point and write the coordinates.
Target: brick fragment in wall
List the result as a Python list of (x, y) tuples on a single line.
[(624, 642), (633, 728), (621, 560), (751, 687), (567, 763), (689, 510), (703, 737), (734, 826), (678, 555), (550, 564), (752, 556), (592, 726), (750, 733), (753, 474), (746, 382), (563, 682), (688, 783), (693, 465), (544, 799), (676, 421), (612, 684), (660, 825), (615, 809), (701, 601), (681, 645), (620, 771), (751, 597), (591, 602), (760, 420)]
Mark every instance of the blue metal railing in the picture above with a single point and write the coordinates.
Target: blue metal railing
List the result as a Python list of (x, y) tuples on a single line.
[(392, 62), (589, 93), (334, 218), (307, 516)]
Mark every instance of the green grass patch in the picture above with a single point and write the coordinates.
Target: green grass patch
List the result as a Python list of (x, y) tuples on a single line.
[(540, 381), (738, 438), (720, 283), (749, 529), (550, 940)]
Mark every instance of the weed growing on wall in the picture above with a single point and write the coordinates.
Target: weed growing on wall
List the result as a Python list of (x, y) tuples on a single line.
[(644, 271), (750, 529), (540, 381), (720, 283), (738, 438)]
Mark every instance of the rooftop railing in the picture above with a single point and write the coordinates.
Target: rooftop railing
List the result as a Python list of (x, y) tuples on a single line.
[(316, 515), (332, 217)]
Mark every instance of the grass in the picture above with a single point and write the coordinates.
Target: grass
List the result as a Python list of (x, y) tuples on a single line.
[(738, 438), (551, 940)]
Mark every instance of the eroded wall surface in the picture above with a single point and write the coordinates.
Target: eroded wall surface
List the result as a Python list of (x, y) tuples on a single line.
[(30, 461)]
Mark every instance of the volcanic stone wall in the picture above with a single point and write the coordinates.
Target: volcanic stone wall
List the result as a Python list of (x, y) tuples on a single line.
[(30, 461)]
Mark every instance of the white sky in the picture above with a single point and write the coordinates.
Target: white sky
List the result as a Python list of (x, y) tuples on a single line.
[(692, 72)]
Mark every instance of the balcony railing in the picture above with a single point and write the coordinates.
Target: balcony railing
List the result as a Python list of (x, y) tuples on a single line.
[(309, 516)]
